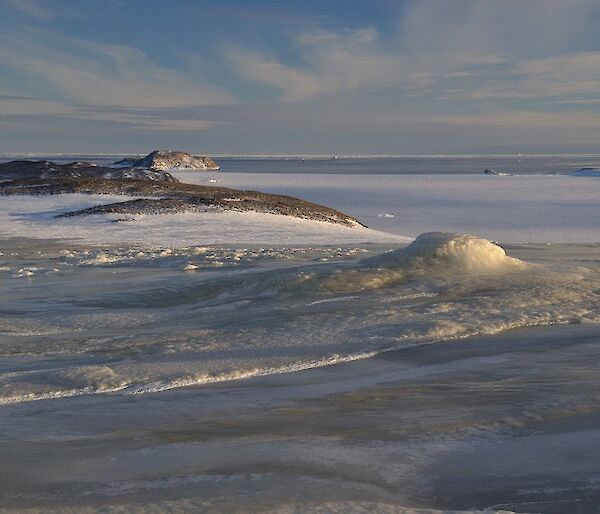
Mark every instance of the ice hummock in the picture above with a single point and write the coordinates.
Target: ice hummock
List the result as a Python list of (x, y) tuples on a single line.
[(449, 252)]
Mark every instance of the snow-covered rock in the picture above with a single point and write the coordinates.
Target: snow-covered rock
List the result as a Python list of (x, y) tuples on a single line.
[(164, 160)]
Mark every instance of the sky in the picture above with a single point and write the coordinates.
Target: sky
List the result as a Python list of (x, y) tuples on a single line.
[(394, 77)]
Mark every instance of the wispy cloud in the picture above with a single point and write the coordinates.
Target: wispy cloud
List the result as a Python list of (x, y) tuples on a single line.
[(144, 119), (256, 13), (331, 62), (569, 76), (435, 72), (30, 8), (101, 74), (76, 79), (472, 50), (527, 120)]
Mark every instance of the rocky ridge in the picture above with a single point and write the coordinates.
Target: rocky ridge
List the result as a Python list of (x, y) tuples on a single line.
[(159, 192), (586, 172), (489, 171), (42, 170)]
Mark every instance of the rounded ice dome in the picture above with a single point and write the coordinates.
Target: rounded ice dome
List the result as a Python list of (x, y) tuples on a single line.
[(448, 251)]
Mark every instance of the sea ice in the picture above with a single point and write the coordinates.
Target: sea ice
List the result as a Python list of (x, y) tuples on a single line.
[(516, 209)]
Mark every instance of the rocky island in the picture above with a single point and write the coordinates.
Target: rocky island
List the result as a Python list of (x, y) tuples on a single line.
[(164, 160), (489, 171), (158, 191)]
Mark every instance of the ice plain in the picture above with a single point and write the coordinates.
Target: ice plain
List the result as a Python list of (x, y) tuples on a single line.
[(222, 361)]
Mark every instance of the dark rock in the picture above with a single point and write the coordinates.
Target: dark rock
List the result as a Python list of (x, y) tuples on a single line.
[(49, 170), (586, 172), (162, 195), (489, 171)]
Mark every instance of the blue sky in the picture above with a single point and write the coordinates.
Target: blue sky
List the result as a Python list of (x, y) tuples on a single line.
[(305, 76)]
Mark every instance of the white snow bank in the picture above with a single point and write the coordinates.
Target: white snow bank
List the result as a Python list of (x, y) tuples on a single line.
[(34, 216), (526, 208)]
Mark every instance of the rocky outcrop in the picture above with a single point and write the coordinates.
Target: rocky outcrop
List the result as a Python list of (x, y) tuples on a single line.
[(489, 171), (43, 170), (168, 160), (224, 199), (159, 192), (586, 172)]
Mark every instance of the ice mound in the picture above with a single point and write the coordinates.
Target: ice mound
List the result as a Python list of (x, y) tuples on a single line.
[(448, 252), (434, 256)]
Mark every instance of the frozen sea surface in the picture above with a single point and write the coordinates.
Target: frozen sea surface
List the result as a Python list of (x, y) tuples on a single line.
[(84, 320), (397, 208), (501, 423), (244, 363), (528, 208)]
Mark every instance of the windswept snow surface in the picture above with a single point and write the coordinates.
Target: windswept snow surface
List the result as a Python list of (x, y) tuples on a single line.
[(34, 217), (527, 208)]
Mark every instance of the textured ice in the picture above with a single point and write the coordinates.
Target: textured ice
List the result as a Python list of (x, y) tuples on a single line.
[(449, 252), (169, 318), (102, 328)]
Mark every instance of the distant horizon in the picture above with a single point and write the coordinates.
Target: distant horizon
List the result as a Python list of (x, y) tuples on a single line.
[(304, 155)]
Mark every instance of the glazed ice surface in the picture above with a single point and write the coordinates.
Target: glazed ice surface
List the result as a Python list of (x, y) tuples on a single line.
[(123, 347), (83, 320)]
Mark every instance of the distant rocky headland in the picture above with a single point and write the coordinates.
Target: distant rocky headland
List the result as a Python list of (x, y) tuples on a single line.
[(158, 190), (16, 172), (164, 160)]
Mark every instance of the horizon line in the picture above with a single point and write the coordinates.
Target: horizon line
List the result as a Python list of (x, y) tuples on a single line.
[(304, 155)]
